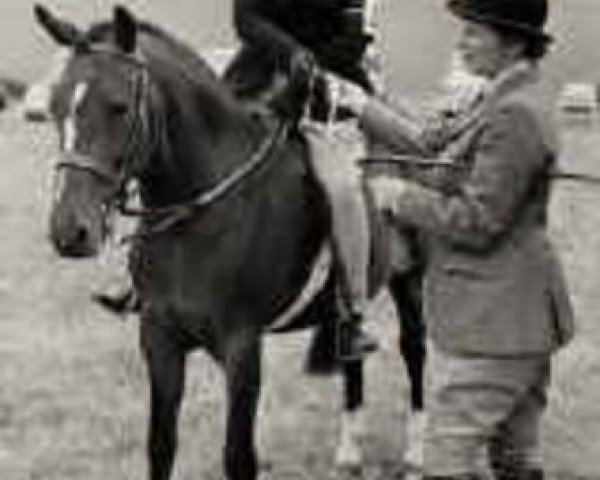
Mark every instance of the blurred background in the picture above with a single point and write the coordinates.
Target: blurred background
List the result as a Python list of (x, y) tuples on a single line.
[(73, 390), (417, 35)]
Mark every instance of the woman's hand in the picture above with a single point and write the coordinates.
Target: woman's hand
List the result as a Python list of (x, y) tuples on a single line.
[(302, 64), (387, 193), (349, 95)]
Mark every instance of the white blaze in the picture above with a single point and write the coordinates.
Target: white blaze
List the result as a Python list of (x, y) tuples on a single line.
[(70, 128)]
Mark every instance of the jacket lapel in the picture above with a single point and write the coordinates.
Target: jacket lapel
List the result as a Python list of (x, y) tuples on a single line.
[(466, 130)]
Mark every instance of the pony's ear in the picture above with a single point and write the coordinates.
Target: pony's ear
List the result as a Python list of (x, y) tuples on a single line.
[(125, 29), (63, 32)]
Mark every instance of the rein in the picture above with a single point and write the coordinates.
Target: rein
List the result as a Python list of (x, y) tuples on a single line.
[(175, 213), (138, 128)]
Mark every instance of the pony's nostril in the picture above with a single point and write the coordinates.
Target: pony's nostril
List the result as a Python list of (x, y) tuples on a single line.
[(81, 236)]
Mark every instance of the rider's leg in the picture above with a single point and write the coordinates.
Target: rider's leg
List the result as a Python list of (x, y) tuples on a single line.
[(340, 177)]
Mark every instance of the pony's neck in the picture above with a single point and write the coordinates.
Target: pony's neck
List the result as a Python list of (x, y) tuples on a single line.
[(226, 137), (231, 133), (207, 135)]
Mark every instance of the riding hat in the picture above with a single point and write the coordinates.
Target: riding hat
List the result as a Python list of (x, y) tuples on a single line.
[(526, 17)]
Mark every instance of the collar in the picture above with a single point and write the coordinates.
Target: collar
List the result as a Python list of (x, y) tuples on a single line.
[(507, 80), (520, 72)]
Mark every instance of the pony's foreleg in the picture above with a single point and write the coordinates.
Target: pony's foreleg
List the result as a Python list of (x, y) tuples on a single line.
[(348, 453), (166, 368), (242, 368), (405, 290)]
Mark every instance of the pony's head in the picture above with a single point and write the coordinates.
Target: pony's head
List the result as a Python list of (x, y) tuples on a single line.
[(99, 108)]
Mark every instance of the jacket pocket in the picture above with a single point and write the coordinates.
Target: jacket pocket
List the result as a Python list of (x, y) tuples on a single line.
[(471, 270), (560, 305)]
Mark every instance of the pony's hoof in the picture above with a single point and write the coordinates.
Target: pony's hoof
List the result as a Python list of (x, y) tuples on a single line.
[(349, 454), (413, 474), (413, 455), (348, 457)]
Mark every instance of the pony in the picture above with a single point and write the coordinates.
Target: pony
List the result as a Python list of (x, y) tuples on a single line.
[(231, 222)]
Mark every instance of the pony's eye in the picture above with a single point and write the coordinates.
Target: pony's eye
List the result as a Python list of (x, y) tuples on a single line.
[(56, 109), (118, 108)]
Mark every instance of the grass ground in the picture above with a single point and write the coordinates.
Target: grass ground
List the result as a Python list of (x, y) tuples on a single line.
[(73, 396)]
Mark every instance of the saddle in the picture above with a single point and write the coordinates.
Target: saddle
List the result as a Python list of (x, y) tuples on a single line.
[(391, 249)]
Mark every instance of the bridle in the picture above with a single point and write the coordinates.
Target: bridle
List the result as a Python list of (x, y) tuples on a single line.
[(140, 136), (141, 141)]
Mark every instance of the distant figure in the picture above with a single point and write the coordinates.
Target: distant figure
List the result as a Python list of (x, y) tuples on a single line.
[(3, 97), (37, 98)]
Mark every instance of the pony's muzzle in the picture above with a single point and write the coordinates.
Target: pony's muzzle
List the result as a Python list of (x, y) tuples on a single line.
[(72, 239)]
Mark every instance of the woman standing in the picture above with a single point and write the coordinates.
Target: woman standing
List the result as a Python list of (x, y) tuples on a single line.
[(495, 300)]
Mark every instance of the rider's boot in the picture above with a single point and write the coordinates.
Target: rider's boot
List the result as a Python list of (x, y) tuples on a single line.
[(353, 343)]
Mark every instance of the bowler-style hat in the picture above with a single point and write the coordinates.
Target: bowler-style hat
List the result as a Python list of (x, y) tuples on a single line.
[(526, 17)]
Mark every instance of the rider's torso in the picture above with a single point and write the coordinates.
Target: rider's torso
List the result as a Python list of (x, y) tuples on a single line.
[(334, 30)]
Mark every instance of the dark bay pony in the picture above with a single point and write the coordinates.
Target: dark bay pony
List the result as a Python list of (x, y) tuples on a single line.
[(230, 225)]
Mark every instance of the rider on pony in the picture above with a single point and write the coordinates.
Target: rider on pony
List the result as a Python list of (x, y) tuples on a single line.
[(282, 40)]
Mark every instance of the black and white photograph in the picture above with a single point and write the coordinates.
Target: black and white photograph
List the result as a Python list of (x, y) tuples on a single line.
[(300, 239)]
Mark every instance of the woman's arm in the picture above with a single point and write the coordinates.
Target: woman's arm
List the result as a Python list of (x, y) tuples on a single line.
[(510, 154), (396, 127)]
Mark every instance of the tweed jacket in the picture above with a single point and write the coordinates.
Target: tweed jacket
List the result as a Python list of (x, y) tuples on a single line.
[(272, 30), (493, 283)]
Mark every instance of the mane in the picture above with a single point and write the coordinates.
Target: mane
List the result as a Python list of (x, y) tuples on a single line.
[(175, 65), (203, 119)]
